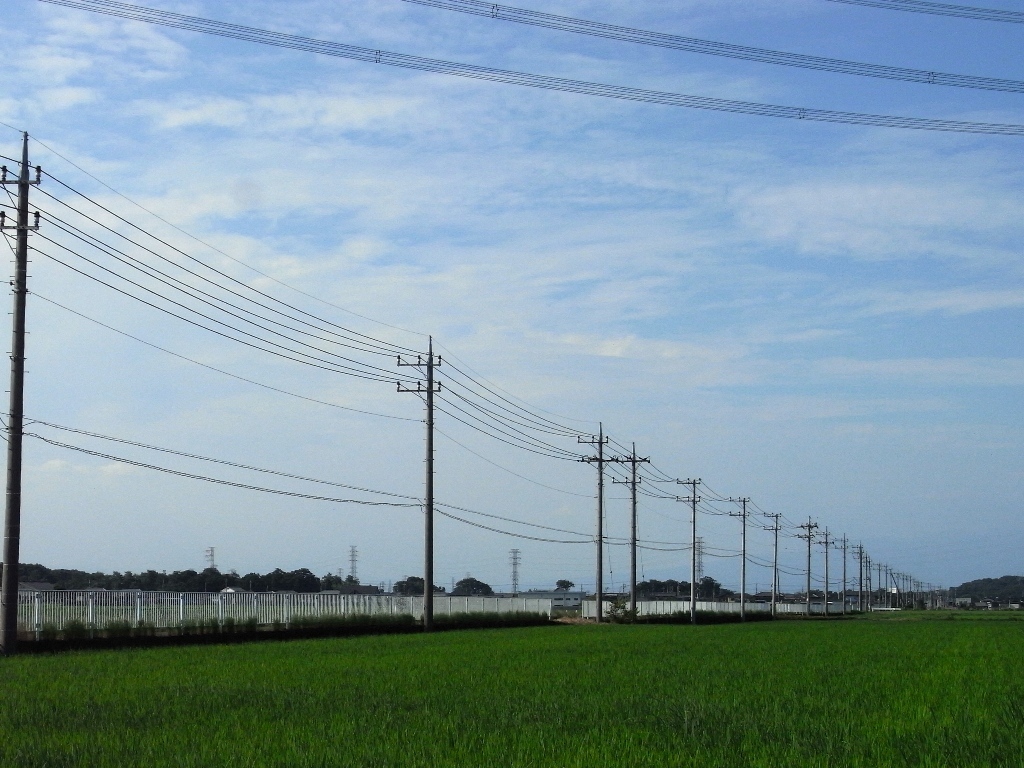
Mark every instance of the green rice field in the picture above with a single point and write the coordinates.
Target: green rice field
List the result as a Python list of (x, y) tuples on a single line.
[(891, 692)]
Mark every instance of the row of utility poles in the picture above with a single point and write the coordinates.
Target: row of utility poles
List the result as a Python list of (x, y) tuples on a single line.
[(904, 586)]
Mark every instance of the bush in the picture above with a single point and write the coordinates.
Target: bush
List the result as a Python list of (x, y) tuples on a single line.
[(119, 628), (75, 630), (188, 627), (251, 624)]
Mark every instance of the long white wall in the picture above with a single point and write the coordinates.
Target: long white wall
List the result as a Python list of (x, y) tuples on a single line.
[(666, 607), (98, 609)]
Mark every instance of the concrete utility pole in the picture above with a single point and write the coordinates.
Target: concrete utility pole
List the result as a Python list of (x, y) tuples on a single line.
[(844, 573), (633, 460), (775, 558), (743, 555), (693, 498), (858, 552), (600, 441), (824, 605), (16, 414), (810, 527), (427, 392), (869, 600), (881, 584)]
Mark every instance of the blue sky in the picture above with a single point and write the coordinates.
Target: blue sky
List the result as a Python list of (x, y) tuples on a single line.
[(824, 318)]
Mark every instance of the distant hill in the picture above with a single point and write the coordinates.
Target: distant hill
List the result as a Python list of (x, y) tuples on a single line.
[(1004, 589)]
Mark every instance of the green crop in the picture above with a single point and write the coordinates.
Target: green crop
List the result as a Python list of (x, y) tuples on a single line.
[(785, 693)]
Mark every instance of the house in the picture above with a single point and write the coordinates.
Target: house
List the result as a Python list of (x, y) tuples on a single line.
[(233, 590), (358, 589), (35, 586)]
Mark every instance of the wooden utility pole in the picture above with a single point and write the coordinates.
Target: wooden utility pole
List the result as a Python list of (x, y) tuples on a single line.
[(16, 414)]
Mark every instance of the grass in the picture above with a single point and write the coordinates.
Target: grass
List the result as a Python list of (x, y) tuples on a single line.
[(787, 693)]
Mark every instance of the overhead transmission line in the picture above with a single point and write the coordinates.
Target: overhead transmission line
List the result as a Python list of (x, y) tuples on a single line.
[(241, 287), (942, 9), (494, 387), (487, 407), (219, 370), (361, 369), (202, 242), (225, 462), (586, 538), (313, 361), (378, 56), (217, 481), (727, 50)]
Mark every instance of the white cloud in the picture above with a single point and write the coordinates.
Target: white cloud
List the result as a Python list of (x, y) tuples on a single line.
[(956, 372)]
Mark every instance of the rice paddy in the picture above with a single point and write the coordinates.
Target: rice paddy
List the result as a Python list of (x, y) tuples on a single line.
[(786, 693)]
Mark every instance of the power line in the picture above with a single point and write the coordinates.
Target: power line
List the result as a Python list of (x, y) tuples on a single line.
[(96, 242), (438, 66), (494, 386), (223, 274), (198, 294), (509, 471), (332, 367), (218, 481), (185, 454), (213, 248), (941, 9), (219, 370), (727, 50)]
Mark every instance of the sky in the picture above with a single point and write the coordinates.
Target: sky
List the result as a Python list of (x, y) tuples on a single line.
[(823, 318)]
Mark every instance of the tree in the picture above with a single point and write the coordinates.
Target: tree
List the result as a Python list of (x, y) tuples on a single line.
[(670, 587), (413, 586), (471, 586), (564, 585)]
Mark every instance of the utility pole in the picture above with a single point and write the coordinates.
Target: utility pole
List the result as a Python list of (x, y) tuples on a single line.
[(514, 559), (632, 460), (600, 441), (869, 599), (693, 498), (810, 528), (16, 414), (878, 567), (775, 558), (824, 605), (353, 563), (743, 554), (858, 553), (844, 573), (427, 392)]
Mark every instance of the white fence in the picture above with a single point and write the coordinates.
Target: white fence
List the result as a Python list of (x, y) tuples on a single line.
[(665, 607), (98, 609)]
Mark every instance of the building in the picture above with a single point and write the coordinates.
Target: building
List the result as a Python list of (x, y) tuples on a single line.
[(35, 586), (560, 598)]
